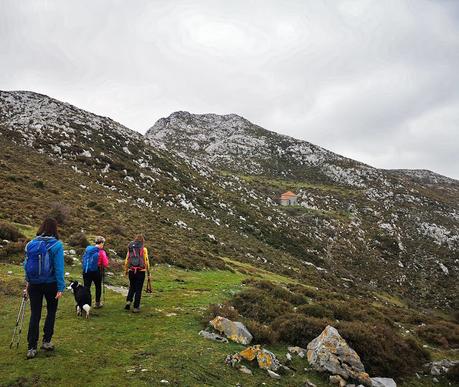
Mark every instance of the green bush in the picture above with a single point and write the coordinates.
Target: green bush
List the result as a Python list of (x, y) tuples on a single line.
[(60, 212), (445, 334), (262, 334), (10, 232), (257, 305), (223, 310), (383, 351), (39, 184), (296, 329), (315, 310), (78, 239)]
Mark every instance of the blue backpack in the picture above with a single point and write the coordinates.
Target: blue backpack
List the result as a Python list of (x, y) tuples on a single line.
[(38, 266), (91, 259)]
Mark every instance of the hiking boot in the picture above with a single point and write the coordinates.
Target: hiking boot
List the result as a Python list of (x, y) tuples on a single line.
[(47, 346), (136, 310), (31, 353), (127, 306), (98, 305)]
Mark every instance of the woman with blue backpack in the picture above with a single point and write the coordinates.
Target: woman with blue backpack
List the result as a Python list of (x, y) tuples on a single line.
[(44, 274), (94, 262)]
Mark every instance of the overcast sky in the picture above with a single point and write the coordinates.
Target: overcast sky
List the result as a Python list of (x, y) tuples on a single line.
[(377, 81)]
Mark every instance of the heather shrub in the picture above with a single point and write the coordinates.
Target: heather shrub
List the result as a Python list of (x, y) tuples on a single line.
[(443, 333), (315, 310), (257, 305), (60, 212), (9, 232), (296, 329), (223, 310), (78, 239), (262, 334), (382, 350)]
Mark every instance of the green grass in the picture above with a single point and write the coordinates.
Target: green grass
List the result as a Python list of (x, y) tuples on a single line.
[(106, 348)]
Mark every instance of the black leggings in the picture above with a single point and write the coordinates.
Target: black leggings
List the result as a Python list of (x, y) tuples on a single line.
[(136, 280), (36, 294), (96, 277)]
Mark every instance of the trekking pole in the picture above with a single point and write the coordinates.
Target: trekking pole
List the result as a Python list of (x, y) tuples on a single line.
[(19, 321), (148, 288), (103, 284)]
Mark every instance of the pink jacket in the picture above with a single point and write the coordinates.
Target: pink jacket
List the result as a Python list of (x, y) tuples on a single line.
[(103, 259)]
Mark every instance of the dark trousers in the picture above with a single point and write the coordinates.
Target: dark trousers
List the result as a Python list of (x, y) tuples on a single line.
[(36, 294), (96, 277), (136, 280)]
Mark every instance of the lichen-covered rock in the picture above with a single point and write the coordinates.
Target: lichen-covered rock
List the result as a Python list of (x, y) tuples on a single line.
[(265, 359), (330, 353), (233, 330)]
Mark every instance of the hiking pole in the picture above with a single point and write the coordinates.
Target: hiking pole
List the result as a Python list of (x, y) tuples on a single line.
[(148, 288), (103, 284), (19, 321)]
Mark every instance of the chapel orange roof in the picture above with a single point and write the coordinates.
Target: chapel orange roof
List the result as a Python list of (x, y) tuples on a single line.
[(287, 195)]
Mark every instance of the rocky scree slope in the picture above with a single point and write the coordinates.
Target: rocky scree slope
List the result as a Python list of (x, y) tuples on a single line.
[(395, 230)]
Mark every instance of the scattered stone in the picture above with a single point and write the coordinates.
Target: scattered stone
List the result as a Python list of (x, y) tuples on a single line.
[(337, 380), (67, 274), (383, 382), (164, 381), (441, 367), (72, 252), (213, 336), (273, 374), (307, 383), (234, 330), (245, 370), (301, 352), (289, 357), (329, 352), (10, 272), (172, 314), (435, 380), (143, 370), (130, 370)]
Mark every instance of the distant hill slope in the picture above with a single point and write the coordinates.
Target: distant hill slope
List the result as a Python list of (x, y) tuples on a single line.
[(203, 188)]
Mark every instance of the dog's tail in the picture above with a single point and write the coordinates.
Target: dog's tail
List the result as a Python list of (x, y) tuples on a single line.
[(86, 308)]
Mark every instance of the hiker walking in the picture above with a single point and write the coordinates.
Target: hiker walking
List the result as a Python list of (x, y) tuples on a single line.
[(44, 274), (135, 265), (94, 261)]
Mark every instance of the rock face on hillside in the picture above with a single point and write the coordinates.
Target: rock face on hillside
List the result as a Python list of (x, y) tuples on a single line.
[(234, 143)]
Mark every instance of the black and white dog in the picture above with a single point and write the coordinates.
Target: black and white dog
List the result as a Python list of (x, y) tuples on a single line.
[(82, 298)]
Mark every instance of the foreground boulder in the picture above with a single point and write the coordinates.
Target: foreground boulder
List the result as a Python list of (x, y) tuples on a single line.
[(330, 353), (265, 359), (233, 330)]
